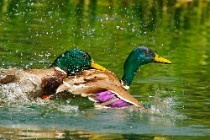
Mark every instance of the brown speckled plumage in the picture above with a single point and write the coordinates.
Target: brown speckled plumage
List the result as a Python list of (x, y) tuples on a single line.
[(34, 82)]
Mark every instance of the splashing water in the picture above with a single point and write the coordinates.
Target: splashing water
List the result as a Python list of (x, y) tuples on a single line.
[(164, 106)]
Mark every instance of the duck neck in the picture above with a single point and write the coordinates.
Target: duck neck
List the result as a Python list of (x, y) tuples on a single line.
[(129, 73), (131, 65)]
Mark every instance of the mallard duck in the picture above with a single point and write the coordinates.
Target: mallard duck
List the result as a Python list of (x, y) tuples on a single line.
[(39, 82), (104, 88)]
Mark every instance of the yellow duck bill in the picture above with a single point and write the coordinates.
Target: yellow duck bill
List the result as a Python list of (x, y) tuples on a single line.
[(159, 59), (96, 66)]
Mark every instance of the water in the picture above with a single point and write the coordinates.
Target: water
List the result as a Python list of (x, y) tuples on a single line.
[(33, 33)]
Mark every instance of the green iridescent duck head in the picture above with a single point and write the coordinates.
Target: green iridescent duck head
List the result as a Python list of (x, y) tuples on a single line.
[(74, 61), (139, 56)]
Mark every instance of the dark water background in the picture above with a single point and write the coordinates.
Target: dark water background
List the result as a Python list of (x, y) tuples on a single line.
[(33, 33)]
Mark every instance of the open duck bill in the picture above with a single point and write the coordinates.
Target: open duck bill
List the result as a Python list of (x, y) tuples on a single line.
[(159, 59), (96, 66)]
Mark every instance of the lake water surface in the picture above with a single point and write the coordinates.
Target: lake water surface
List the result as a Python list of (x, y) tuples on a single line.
[(33, 33)]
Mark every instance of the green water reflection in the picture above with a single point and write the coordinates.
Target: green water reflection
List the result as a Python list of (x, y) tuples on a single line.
[(33, 33)]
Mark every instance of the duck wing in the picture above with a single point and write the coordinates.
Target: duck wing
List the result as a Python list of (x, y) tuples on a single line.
[(90, 83)]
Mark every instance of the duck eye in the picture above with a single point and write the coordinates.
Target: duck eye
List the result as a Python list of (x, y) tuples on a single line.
[(84, 55), (146, 53)]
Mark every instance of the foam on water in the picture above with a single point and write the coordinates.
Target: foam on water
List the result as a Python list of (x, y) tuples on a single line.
[(13, 94)]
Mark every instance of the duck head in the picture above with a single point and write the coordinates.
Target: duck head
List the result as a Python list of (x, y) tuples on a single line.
[(74, 61), (139, 56)]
